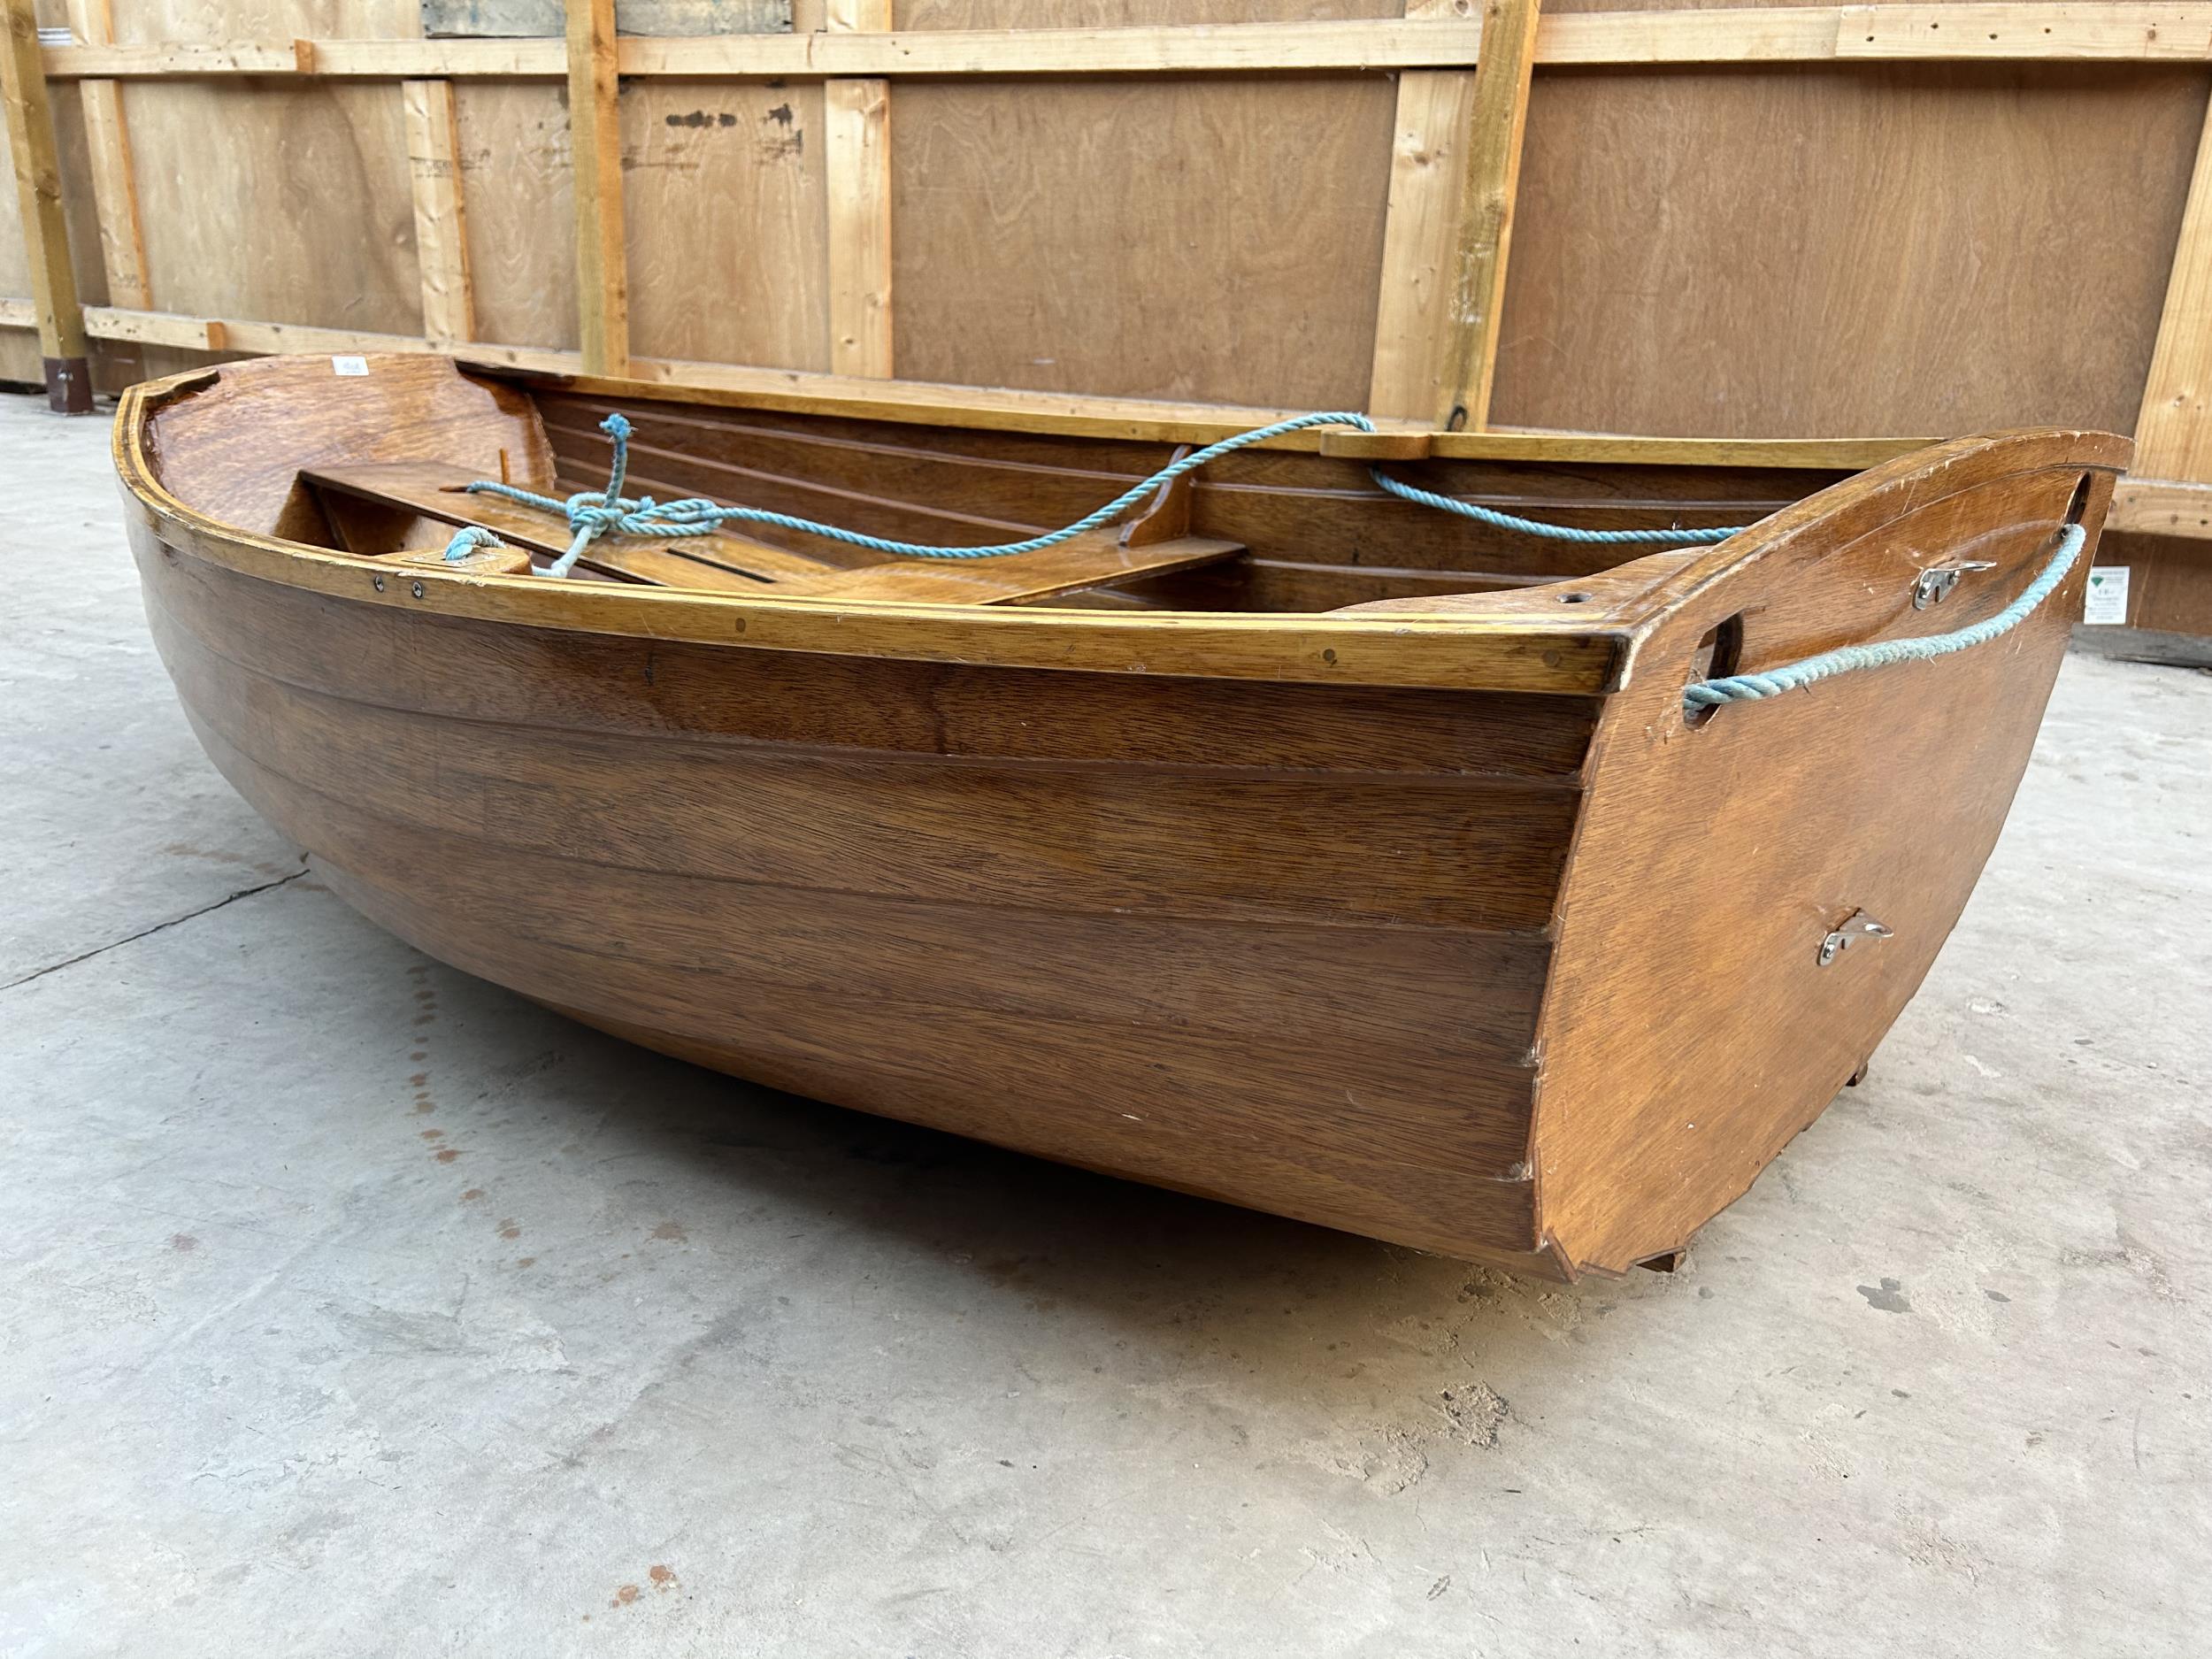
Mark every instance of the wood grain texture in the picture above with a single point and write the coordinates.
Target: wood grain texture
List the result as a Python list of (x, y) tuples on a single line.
[(34, 159), (720, 562), (1420, 231), (727, 214), (1158, 238), (2170, 588), (519, 179), (20, 355), (1311, 514), (441, 248), (522, 19), (1886, 295), (1844, 250), (2173, 434), (1212, 901), (1689, 1031), (1262, 39), (258, 467), (997, 986), (114, 184), (856, 129), (408, 409), (1489, 181), (595, 122), (2163, 507), (327, 163)]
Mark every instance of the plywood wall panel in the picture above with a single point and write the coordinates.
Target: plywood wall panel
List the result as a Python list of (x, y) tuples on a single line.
[(143, 22), (1111, 14), (1187, 238), (1216, 239), (518, 193), (1823, 250), (723, 184), (301, 211)]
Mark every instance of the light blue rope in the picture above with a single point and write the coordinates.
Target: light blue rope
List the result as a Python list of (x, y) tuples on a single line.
[(592, 513), (467, 541), (1556, 532), (1710, 693)]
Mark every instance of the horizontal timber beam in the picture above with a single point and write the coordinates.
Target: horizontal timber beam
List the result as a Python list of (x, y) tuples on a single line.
[(662, 378), (2159, 506), (1194, 48), (2070, 31), (207, 333)]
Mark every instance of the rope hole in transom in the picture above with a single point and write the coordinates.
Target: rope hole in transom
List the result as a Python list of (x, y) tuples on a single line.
[(1716, 657), (2079, 504)]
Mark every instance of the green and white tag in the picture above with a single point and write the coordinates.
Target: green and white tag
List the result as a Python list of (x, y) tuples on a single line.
[(2107, 599)]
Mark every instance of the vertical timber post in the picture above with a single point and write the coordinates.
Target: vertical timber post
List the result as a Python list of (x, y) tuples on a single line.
[(61, 339), (1490, 178), (857, 167), (442, 248), (1428, 144), (594, 129), (2173, 427), (114, 187)]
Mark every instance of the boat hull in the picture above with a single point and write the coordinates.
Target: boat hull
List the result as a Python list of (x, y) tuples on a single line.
[(1033, 908), (1437, 921)]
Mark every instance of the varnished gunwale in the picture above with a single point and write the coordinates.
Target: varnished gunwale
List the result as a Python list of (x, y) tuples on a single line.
[(429, 749), (1532, 652)]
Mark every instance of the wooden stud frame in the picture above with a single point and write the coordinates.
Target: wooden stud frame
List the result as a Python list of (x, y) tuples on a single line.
[(1420, 228), (1465, 70), (2016, 31), (595, 127), (442, 249), (37, 168), (856, 116), (1488, 180)]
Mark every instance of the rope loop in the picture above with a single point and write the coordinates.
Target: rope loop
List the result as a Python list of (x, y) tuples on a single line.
[(1710, 693), (466, 541)]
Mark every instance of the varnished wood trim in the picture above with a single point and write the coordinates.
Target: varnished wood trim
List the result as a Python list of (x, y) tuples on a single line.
[(1557, 654)]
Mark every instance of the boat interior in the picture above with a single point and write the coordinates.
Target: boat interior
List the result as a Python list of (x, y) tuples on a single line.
[(1299, 529)]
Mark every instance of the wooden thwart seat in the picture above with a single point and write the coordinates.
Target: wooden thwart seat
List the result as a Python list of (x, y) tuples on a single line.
[(721, 562), (1096, 558), (726, 562)]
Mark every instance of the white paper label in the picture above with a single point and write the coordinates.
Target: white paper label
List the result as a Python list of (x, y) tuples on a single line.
[(2106, 600), (349, 365)]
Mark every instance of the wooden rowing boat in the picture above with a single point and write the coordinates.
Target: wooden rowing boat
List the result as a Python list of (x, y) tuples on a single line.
[(1285, 843)]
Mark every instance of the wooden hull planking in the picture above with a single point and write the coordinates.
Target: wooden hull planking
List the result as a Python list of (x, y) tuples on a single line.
[(1435, 922)]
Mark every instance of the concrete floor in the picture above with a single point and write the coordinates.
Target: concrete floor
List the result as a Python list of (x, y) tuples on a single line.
[(351, 1306)]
